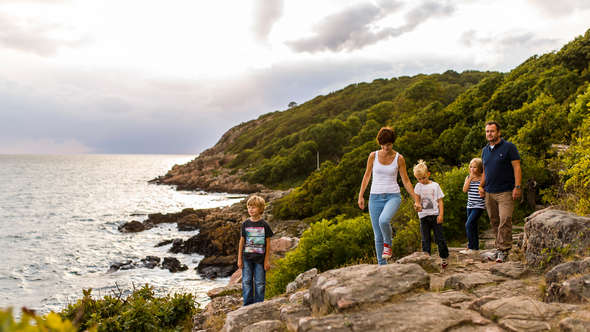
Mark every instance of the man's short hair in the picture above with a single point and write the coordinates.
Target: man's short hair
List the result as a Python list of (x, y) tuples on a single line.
[(256, 201), (386, 135), (489, 123)]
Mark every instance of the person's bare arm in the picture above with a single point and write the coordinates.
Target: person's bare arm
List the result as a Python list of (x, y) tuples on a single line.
[(466, 184), (407, 183), (482, 193), (267, 255), (441, 211), (517, 192), (365, 182), (240, 251)]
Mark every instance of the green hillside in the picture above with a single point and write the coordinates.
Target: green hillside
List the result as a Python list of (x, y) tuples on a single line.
[(438, 118)]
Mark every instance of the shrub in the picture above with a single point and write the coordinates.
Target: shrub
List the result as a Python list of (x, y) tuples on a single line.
[(141, 311), (30, 322)]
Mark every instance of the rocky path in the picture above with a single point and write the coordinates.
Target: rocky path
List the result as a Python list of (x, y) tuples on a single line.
[(414, 294)]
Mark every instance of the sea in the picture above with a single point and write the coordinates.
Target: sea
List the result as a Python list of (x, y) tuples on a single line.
[(59, 216)]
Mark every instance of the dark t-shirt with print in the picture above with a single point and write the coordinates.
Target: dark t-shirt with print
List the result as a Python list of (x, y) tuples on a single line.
[(255, 234)]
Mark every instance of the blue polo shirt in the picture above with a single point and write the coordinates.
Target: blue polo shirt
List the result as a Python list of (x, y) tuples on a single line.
[(497, 164)]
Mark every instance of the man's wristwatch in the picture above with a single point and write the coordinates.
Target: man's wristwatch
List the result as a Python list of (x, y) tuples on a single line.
[(517, 186)]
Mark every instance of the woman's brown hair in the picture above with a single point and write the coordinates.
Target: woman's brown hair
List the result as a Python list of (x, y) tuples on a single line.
[(386, 135)]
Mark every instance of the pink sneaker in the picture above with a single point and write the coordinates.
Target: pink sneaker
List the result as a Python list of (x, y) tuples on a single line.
[(386, 251)]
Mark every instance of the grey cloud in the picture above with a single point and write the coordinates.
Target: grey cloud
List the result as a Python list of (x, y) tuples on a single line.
[(554, 8), (266, 14), (507, 41), (353, 28), (137, 115), (33, 37)]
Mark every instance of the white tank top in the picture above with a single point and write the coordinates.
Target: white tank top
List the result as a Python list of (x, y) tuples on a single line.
[(384, 176)]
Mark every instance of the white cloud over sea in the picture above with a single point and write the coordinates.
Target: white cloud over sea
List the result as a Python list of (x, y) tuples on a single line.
[(79, 76)]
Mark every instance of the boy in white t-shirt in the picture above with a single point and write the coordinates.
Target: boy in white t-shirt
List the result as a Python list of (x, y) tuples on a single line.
[(431, 216)]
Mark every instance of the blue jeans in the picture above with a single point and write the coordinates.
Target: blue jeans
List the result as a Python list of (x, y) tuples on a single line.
[(471, 228), (253, 282), (382, 208), (427, 224)]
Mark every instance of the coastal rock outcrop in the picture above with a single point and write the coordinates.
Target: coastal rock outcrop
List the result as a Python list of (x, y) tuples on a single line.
[(210, 171), (551, 235), (213, 267)]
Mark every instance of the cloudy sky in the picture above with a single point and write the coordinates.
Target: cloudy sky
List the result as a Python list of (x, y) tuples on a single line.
[(136, 76)]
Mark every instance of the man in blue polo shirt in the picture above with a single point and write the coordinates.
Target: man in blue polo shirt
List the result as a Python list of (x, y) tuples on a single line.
[(501, 186)]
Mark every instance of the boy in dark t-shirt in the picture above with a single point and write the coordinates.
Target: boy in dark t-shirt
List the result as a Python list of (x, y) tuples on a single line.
[(254, 252)]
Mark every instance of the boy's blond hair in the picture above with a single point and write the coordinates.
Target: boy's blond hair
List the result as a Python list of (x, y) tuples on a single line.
[(256, 201), (420, 169), (478, 163)]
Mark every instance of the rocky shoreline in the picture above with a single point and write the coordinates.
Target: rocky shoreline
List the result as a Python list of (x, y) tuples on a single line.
[(545, 286), (219, 233)]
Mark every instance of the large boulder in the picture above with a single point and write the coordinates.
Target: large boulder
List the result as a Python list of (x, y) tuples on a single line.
[(573, 290), (566, 270), (173, 265), (216, 239), (217, 266), (552, 235), (569, 282), (133, 226), (354, 286)]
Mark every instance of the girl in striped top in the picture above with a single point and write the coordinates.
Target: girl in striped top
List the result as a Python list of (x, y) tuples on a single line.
[(475, 204)]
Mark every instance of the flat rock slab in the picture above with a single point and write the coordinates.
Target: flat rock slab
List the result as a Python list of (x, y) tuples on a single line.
[(266, 326), (353, 286), (511, 288), (513, 270), (248, 315), (522, 313), (455, 299), (471, 280), (396, 317)]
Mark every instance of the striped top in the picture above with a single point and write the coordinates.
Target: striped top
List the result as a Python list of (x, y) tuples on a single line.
[(474, 201)]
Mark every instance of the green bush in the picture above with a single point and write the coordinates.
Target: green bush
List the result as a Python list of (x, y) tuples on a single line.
[(325, 245), (30, 322), (576, 173), (140, 311)]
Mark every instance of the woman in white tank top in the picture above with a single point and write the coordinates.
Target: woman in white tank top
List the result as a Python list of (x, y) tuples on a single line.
[(385, 197)]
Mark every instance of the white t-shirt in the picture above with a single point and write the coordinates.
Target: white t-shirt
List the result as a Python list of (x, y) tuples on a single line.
[(429, 196)]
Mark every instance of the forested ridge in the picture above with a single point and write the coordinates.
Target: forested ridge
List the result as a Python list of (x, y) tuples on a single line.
[(438, 118)]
